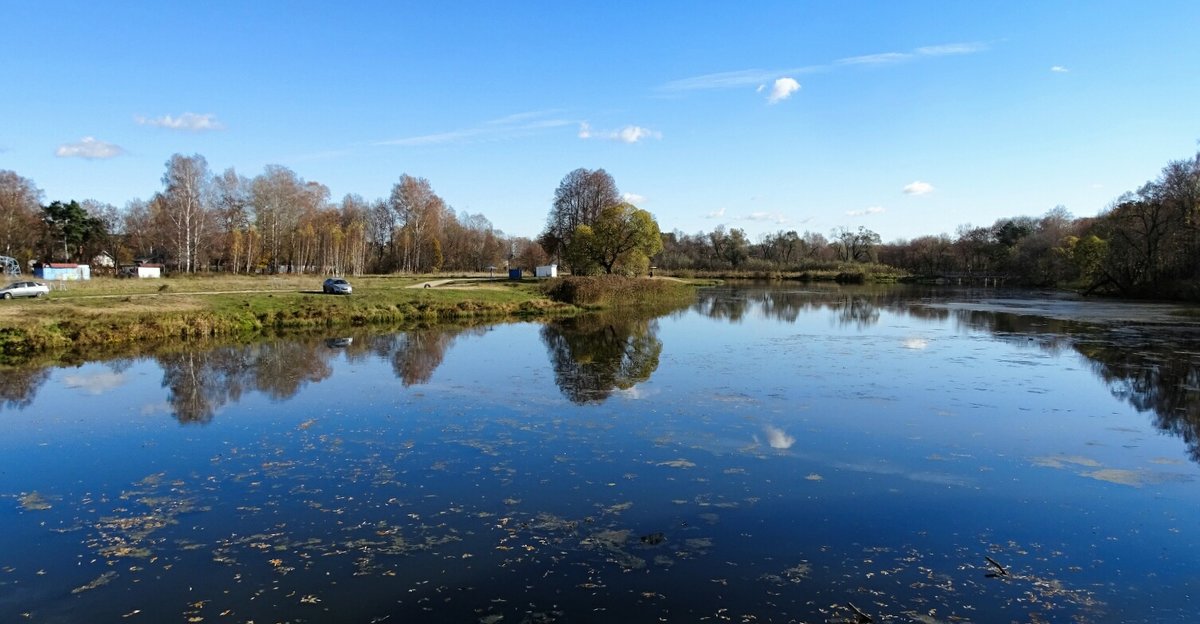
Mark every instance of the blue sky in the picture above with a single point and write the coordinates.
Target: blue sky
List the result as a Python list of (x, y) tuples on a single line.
[(909, 118)]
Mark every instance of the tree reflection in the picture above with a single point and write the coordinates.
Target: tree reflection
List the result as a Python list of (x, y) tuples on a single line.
[(18, 386), (200, 382), (594, 355), (1164, 382)]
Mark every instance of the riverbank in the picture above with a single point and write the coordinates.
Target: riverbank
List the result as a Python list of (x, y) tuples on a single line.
[(108, 312)]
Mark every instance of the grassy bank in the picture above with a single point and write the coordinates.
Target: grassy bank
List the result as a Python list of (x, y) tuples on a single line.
[(112, 313)]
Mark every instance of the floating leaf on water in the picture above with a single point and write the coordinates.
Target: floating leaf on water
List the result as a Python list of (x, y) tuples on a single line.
[(99, 581), (34, 501)]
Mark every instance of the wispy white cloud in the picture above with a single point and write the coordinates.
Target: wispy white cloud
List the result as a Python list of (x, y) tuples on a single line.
[(773, 217), (782, 90), (759, 77), (1059, 69), (869, 210), (188, 121), (628, 134), (918, 188), (89, 148), (716, 214), (633, 198), (508, 127)]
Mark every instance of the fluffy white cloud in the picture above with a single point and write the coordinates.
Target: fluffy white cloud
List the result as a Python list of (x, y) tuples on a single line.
[(632, 198), (1059, 69), (633, 134), (918, 188), (869, 210), (90, 148), (187, 121), (628, 134), (782, 90), (716, 214)]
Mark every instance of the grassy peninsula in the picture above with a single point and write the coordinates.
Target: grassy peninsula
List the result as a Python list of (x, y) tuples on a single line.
[(108, 312)]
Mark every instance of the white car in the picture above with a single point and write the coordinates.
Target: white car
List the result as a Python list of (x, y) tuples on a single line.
[(24, 289), (336, 286)]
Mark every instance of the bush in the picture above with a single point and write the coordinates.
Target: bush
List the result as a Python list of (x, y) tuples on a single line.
[(613, 290)]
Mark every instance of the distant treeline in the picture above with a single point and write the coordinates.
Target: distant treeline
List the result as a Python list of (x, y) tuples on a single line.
[(1146, 244)]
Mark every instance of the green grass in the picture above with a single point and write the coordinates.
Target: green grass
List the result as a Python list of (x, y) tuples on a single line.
[(110, 313)]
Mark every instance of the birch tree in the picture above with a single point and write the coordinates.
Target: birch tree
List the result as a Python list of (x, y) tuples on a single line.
[(187, 193)]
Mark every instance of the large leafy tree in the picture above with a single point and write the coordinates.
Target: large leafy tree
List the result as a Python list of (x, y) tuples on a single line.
[(623, 234)]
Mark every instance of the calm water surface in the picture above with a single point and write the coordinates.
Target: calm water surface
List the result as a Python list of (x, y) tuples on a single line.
[(766, 455)]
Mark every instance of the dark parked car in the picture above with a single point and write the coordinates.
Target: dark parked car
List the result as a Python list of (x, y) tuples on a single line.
[(24, 289), (337, 286)]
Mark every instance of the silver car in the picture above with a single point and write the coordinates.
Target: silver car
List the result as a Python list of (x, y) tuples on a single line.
[(337, 286), (24, 289)]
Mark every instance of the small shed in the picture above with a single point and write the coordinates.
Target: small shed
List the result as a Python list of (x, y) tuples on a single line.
[(63, 271), (514, 274), (549, 270), (145, 271)]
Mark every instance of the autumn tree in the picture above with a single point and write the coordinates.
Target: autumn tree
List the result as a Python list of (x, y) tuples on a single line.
[(233, 213), (20, 208), (278, 198), (416, 210), (622, 233), (187, 195)]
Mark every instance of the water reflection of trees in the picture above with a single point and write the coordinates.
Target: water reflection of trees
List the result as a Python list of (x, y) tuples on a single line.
[(596, 354), (18, 386), (1147, 367), (200, 382), (858, 306), (416, 354)]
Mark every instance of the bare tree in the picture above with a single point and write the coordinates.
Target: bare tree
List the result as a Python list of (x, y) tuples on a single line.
[(20, 208), (578, 200)]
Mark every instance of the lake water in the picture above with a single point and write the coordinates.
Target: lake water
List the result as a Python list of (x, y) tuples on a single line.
[(783, 454)]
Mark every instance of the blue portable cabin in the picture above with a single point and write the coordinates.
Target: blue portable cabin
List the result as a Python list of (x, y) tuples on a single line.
[(63, 271)]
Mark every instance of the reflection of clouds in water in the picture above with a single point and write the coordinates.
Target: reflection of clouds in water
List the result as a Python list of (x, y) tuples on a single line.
[(778, 439), (150, 409), (937, 478), (635, 393), (916, 344), (96, 383)]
